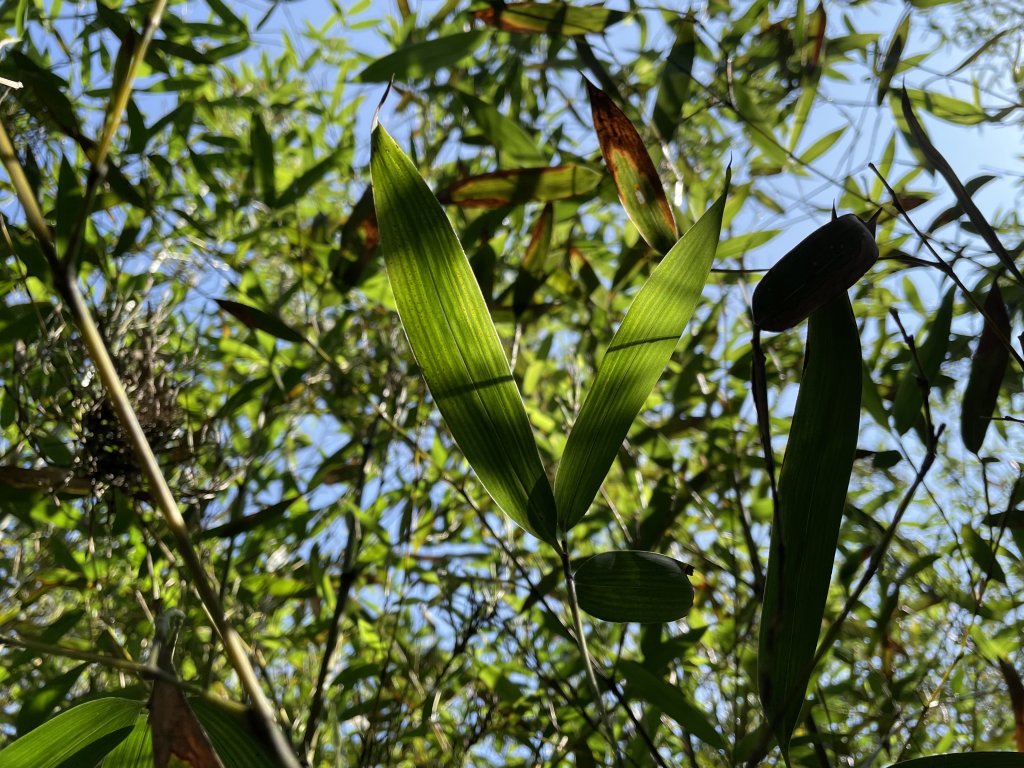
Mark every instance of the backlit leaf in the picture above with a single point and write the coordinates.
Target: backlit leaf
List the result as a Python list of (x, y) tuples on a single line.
[(424, 59), (453, 338), (633, 363), (524, 185), (81, 735), (515, 145), (636, 178), (262, 158), (676, 80), (633, 585), (549, 18)]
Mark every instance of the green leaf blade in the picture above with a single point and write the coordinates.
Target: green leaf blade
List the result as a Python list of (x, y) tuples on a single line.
[(451, 333), (634, 586), (83, 734), (909, 398), (635, 360), (988, 368), (812, 495), (671, 700), (423, 59)]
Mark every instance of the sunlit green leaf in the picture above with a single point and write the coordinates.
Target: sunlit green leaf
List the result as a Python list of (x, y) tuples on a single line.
[(453, 338), (633, 363), (636, 179), (81, 735), (418, 60), (553, 18), (515, 187)]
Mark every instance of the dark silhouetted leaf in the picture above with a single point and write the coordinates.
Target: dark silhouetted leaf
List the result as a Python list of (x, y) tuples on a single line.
[(676, 80), (259, 320), (262, 159), (897, 43), (633, 585), (909, 398), (812, 493), (671, 700), (988, 367)]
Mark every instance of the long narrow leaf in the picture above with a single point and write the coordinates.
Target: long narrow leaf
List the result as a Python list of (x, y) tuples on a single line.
[(636, 178), (924, 144), (634, 362), (966, 760), (453, 338), (671, 700), (812, 494), (988, 367), (909, 397), (80, 736)]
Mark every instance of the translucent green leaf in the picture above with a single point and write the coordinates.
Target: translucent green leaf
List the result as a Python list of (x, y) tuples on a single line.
[(233, 735), (822, 145), (81, 735), (988, 367), (136, 751), (38, 705), (257, 319), (524, 185), (966, 760), (549, 18), (636, 357), (633, 585), (909, 400), (636, 179), (305, 181), (516, 146), (453, 338), (671, 700), (423, 59), (812, 494), (948, 108), (531, 275), (262, 158)]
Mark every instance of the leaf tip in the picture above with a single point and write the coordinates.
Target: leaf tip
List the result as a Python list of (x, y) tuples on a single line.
[(375, 123)]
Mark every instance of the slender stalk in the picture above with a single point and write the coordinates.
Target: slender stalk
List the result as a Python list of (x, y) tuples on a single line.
[(581, 640), (66, 284)]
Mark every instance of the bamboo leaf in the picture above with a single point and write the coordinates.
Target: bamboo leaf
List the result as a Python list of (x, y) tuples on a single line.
[(305, 181), (633, 585), (81, 735), (988, 367), (897, 43), (522, 185), (423, 59), (556, 18), (516, 146), (257, 319), (676, 80), (948, 108), (634, 362), (262, 158), (920, 140), (966, 760), (671, 700), (453, 338), (636, 178), (909, 398), (531, 275), (812, 494)]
